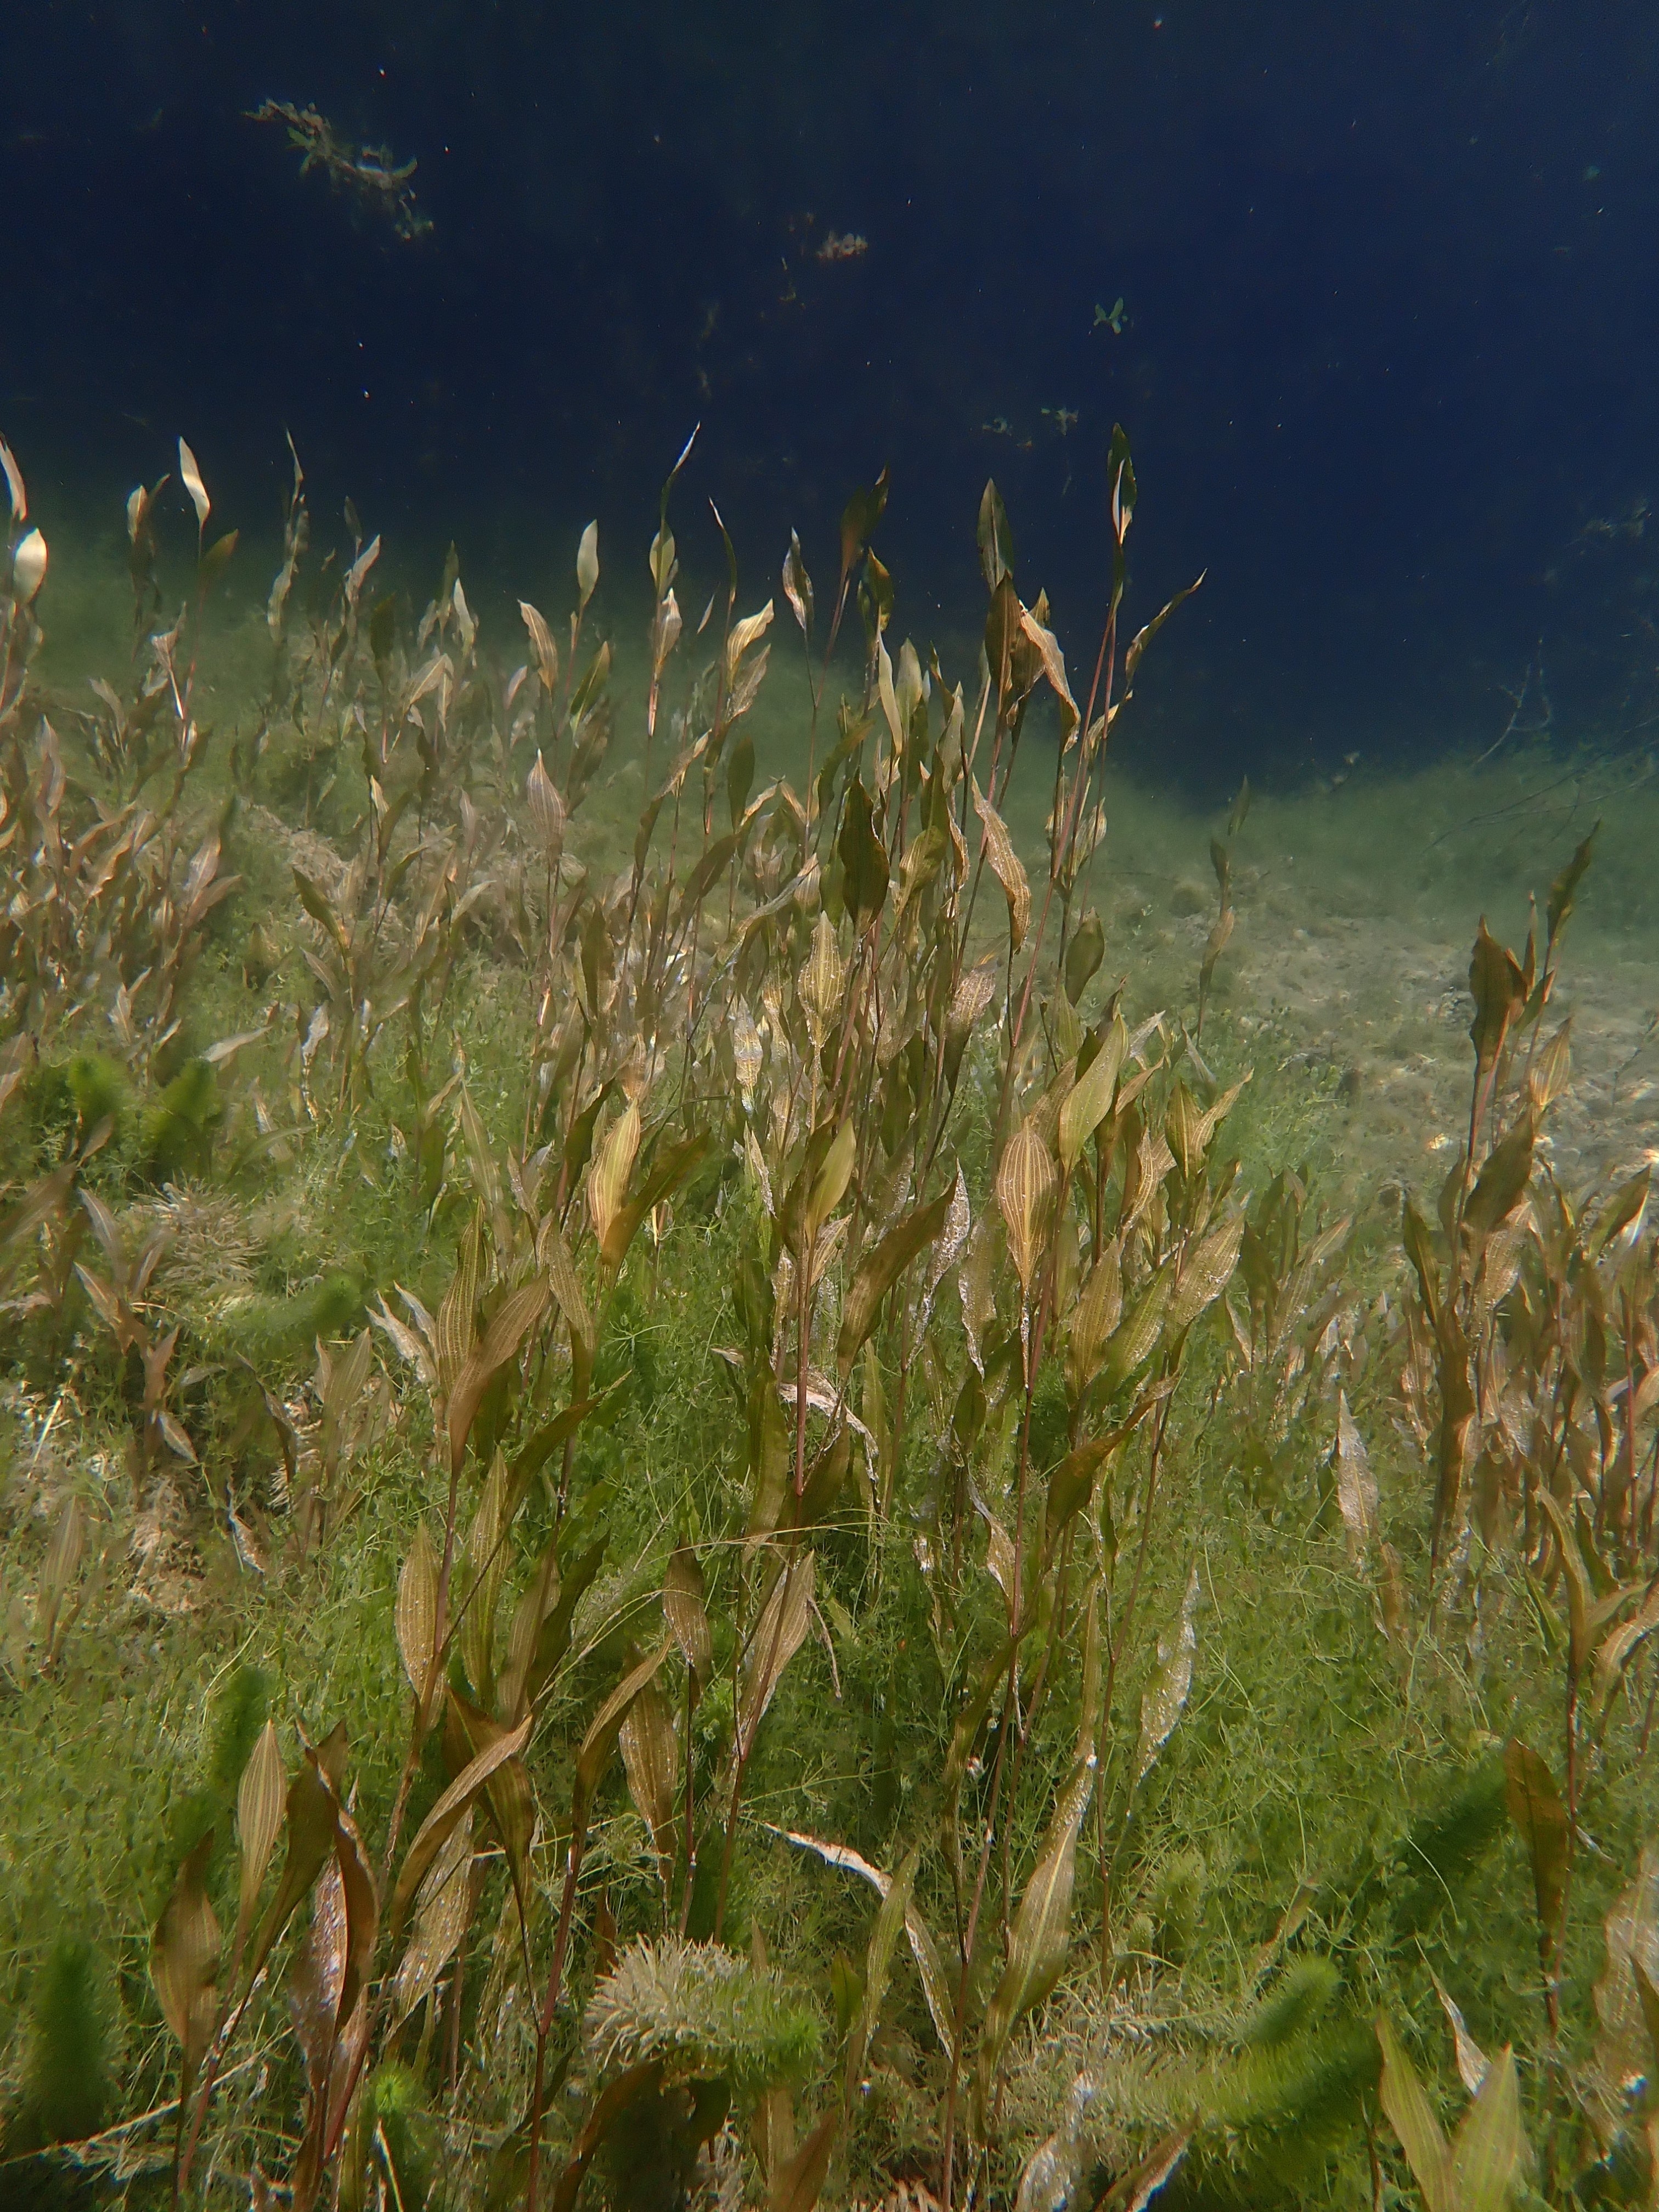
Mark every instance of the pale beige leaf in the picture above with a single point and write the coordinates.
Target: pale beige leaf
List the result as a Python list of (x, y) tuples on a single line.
[(547, 812), (554, 1255), (14, 476), (542, 644), (1166, 1694), (191, 476), (1096, 1314), (1472, 2063), (1039, 1939), (1025, 1185), (820, 983), (184, 1958)]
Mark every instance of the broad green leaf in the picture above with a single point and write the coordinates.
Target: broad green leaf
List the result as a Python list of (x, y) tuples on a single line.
[(261, 1797)]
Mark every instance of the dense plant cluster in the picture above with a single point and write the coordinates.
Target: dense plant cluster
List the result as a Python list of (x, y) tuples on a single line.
[(691, 1521)]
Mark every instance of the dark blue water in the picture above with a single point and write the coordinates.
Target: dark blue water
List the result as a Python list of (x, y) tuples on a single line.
[(1388, 351)]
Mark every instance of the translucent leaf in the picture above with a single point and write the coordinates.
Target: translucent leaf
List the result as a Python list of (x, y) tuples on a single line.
[(183, 1960), (28, 567), (440, 1821), (1489, 2146), (1166, 1696), (1040, 1934), (1025, 1185), (607, 1179), (191, 476), (1356, 1486), (683, 1605), (1089, 1099)]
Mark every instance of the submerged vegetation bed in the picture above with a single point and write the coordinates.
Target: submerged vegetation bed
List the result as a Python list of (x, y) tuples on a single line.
[(698, 1520)]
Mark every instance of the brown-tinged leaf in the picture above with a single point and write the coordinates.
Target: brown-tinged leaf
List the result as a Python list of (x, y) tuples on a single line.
[(651, 1762), (685, 1607), (14, 476), (313, 1801), (547, 811), (184, 1962), (486, 1558), (1138, 1334), (440, 1821), (547, 657), (1040, 1934), (417, 1613), (798, 2182), (1580, 1597), (778, 1634), (1502, 1183), (1025, 1187), (1619, 1646), (602, 1730), (1498, 989), (1005, 865), (1540, 1820), (880, 1268), (518, 1313), (441, 1914), (1412, 2117), (1143, 638), (261, 1800)]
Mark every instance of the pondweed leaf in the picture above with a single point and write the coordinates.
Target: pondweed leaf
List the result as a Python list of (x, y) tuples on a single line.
[(1040, 1934), (1412, 2117), (1089, 1099), (588, 563), (1356, 1486), (1026, 1184), (607, 1179), (651, 1762), (191, 476), (417, 1611), (776, 1636), (685, 1607), (261, 1800), (880, 1268), (1166, 1696), (184, 1962), (441, 1822), (1541, 1821), (1006, 865)]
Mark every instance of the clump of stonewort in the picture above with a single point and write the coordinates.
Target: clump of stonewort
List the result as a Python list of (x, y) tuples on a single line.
[(369, 173)]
